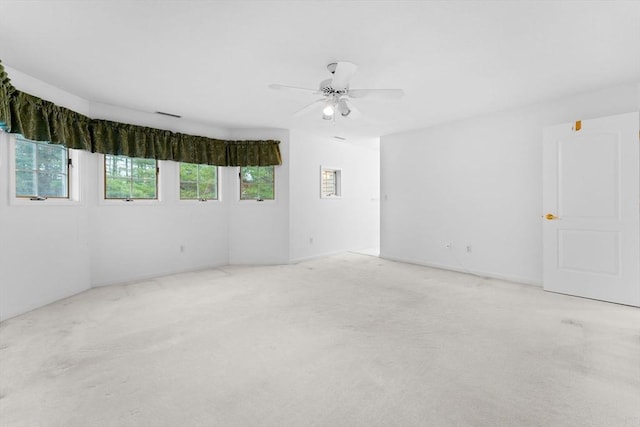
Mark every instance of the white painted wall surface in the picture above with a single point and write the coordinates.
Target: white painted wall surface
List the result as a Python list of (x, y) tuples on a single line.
[(33, 86), (51, 251), (325, 226), (44, 250), (134, 240), (477, 183), (97, 110), (259, 231)]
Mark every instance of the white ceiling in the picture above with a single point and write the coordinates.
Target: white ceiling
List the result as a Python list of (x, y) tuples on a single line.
[(211, 61)]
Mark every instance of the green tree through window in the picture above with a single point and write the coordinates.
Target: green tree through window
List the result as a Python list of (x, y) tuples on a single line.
[(257, 183), (42, 169), (198, 181), (130, 178)]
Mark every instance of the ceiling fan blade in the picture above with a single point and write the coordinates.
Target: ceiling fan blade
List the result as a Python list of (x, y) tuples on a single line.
[(285, 87), (308, 107), (342, 75), (376, 93)]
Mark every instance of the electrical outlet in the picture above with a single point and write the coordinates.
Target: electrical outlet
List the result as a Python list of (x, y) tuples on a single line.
[(469, 249)]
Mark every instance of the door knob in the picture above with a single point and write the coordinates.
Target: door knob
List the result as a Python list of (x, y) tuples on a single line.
[(550, 216)]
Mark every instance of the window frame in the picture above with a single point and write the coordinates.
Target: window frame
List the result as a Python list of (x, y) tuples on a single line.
[(38, 172), (240, 181), (73, 177), (103, 179), (337, 172), (198, 199)]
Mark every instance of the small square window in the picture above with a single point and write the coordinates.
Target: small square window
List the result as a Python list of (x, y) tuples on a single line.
[(42, 170), (130, 178), (198, 182), (257, 183), (330, 183)]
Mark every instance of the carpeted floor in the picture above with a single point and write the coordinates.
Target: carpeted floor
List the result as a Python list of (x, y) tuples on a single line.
[(348, 340)]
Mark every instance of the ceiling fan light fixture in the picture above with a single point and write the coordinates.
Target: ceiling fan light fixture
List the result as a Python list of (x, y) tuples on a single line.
[(329, 108), (343, 107)]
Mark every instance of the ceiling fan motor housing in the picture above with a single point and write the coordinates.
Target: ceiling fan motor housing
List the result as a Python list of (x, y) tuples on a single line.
[(328, 90)]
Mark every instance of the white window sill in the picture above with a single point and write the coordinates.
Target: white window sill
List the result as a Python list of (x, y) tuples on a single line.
[(198, 201), (134, 202), (26, 201), (268, 201)]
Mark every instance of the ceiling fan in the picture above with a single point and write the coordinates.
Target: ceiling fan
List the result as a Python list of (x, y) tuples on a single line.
[(336, 93)]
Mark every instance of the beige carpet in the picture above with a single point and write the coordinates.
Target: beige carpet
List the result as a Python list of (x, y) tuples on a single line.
[(349, 340)]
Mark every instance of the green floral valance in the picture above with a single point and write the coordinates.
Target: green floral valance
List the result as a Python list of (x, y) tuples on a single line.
[(135, 141), (6, 90), (198, 149), (41, 120), (252, 153)]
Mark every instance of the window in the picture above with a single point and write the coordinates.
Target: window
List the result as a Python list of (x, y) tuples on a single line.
[(198, 182), (330, 185), (42, 169), (257, 183), (130, 178)]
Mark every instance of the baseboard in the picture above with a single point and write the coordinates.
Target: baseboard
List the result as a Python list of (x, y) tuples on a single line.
[(316, 256), (156, 275), (30, 307), (479, 273)]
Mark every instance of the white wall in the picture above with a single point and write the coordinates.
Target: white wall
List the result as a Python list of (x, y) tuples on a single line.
[(44, 252), (259, 231), (50, 250), (325, 226), (33, 86), (134, 240), (477, 183), (44, 249)]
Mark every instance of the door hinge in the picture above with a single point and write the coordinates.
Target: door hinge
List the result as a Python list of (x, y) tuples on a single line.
[(70, 162)]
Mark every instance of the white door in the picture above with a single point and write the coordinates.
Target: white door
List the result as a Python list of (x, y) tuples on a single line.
[(591, 209)]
